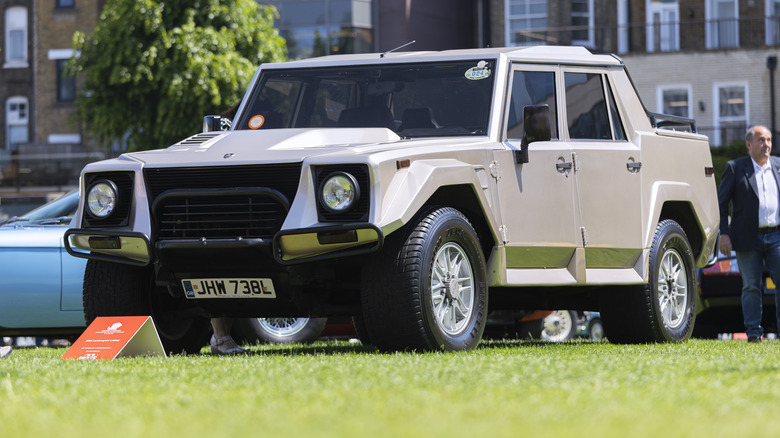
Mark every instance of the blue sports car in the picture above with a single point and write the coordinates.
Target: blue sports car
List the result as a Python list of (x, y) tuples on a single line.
[(40, 283)]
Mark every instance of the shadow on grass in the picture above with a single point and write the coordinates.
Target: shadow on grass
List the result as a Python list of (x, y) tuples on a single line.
[(345, 347)]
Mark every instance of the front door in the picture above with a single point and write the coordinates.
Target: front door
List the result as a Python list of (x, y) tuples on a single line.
[(537, 197)]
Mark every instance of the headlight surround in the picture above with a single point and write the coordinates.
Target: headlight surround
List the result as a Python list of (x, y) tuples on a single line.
[(102, 199), (338, 192)]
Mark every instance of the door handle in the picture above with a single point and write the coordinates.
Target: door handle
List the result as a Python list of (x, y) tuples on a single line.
[(633, 166), (564, 167)]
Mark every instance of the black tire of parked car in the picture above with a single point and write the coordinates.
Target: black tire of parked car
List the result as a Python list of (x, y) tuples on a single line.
[(399, 311), (116, 289), (281, 330), (636, 315), (360, 330)]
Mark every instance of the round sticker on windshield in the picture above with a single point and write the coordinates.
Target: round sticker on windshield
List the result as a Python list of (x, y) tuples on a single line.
[(256, 122), (481, 71)]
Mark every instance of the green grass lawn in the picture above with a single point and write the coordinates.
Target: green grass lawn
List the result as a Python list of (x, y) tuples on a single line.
[(338, 389)]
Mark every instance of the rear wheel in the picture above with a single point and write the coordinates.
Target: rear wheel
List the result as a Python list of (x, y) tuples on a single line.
[(115, 289), (427, 289), (663, 310)]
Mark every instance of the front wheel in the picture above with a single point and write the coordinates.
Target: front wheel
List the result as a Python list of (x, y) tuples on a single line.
[(115, 289), (664, 309), (427, 289)]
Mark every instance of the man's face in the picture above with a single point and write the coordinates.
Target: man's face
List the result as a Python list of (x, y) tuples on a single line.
[(760, 146)]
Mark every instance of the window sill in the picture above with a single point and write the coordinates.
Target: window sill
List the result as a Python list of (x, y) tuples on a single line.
[(10, 65)]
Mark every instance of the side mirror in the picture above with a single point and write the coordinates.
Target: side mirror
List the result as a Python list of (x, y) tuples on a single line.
[(212, 123), (536, 127)]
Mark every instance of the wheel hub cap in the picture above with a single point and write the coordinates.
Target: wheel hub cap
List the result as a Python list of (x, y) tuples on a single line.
[(672, 289), (452, 289)]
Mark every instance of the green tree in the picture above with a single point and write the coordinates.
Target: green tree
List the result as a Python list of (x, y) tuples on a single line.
[(153, 68)]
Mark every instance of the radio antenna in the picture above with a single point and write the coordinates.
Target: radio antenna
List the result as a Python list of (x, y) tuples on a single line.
[(382, 55)]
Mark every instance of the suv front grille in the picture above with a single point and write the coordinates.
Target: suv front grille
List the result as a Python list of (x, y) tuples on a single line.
[(221, 202)]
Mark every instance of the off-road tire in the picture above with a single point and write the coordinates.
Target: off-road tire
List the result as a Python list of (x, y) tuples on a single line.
[(115, 289), (399, 300), (642, 314)]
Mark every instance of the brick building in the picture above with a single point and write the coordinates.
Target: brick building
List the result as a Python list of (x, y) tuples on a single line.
[(42, 142)]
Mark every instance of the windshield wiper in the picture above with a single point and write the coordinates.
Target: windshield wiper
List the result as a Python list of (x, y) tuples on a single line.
[(13, 219), (55, 220)]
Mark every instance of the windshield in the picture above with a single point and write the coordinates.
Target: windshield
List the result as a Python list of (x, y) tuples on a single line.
[(429, 99), (61, 210)]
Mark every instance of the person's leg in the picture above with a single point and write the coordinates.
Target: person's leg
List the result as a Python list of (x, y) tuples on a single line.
[(773, 264), (751, 267), (222, 342)]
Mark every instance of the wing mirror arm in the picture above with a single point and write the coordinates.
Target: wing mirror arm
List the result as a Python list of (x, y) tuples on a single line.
[(212, 123), (536, 127)]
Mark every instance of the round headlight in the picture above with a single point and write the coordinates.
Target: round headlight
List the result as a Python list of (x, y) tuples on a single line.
[(339, 191), (101, 199)]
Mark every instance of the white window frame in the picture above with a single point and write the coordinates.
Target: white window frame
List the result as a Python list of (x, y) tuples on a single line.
[(13, 118), (716, 118), (16, 21), (670, 28), (623, 26), (710, 35), (659, 96), (508, 17), (590, 42), (772, 23)]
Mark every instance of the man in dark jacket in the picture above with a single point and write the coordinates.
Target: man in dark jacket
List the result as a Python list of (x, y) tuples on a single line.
[(750, 185)]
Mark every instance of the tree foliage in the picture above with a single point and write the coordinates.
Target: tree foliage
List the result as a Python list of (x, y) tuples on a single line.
[(153, 68)]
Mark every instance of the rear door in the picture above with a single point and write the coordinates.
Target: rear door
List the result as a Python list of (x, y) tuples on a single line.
[(607, 169)]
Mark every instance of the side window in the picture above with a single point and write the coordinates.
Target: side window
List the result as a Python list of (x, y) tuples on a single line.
[(586, 107), (617, 123), (531, 88)]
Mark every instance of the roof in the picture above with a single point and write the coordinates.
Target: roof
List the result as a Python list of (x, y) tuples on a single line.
[(564, 54)]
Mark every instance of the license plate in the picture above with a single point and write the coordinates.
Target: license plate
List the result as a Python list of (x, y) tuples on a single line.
[(198, 288)]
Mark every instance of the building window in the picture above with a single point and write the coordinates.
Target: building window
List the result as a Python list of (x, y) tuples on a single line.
[(623, 26), (722, 24), (731, 116), (663, 25), (66, 83), (772, 22), (16, 121), (674, 100), (325, 27), (16, 37), (582, 23), (65, 4), (526, 22)]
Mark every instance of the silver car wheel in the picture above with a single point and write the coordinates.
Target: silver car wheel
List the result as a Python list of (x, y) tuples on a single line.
[(558, 326), (452, 289), (672, 290), (283, 327)]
